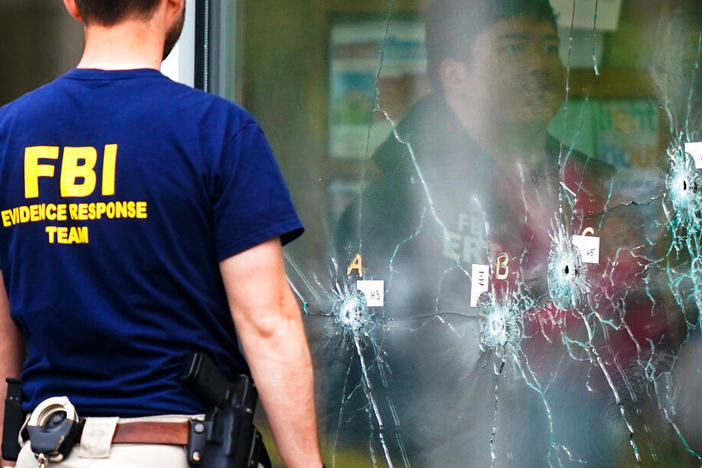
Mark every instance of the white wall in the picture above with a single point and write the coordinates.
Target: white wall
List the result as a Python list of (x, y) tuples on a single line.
[(180, 64)]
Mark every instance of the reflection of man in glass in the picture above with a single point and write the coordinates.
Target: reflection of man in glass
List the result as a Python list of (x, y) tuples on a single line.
[(472, 177), (476, 150), (497, 81), (503, 81)]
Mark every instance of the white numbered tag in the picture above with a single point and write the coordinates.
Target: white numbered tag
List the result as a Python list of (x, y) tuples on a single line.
[(589, 247), (374, 290), (480, 280), (695, 150)]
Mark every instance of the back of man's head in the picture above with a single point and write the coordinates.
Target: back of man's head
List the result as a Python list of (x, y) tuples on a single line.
[(453, 25), (111, 12)]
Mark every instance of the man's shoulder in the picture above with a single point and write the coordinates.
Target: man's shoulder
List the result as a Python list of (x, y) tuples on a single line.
[(186, 97), (576, 162), (28, 101), (128, 96), (188, 104)]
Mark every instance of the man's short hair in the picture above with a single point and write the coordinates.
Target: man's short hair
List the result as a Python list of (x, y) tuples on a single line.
[(453, 25), (111, 12)]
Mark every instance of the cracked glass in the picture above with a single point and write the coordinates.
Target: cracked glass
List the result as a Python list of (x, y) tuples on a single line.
[(502, 264)]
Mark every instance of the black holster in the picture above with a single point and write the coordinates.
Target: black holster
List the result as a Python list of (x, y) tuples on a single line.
[(221, 441), (227, 438), (13, 421)]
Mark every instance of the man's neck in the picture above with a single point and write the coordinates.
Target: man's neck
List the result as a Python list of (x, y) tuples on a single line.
[(526, 142), (127, 45)]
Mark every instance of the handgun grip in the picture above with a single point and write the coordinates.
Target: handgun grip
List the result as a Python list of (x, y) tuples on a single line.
[(203, 378)]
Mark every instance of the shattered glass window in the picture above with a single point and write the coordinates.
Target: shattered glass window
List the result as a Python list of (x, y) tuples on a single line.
[(503, 257)]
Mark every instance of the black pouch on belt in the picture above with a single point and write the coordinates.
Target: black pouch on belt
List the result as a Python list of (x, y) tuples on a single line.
[(14, 418)]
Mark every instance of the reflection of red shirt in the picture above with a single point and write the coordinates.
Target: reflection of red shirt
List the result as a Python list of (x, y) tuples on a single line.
[(616, 300)]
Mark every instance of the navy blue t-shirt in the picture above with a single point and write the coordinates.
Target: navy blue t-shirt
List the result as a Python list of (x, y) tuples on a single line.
[(120, 193)]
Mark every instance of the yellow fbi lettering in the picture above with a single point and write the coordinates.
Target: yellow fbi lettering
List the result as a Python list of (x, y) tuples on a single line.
[(66, 235), (74, 211), (78, 178), (33, 214)]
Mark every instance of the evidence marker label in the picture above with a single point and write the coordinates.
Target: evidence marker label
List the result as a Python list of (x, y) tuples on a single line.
[(374, 290), (589, 248)]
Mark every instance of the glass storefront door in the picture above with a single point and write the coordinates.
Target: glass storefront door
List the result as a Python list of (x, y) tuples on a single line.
[(503, 258)]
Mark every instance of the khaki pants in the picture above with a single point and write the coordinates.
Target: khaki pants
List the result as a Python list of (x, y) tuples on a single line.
[(95, 450)]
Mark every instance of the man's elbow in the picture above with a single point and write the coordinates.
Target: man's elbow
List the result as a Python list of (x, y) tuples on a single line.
[(271, 321)]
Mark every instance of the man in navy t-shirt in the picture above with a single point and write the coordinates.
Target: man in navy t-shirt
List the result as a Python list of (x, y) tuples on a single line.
[(140, 220)]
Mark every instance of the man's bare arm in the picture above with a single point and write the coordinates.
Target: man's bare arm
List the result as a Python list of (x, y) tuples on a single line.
[(10, 352), (269, 324)]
